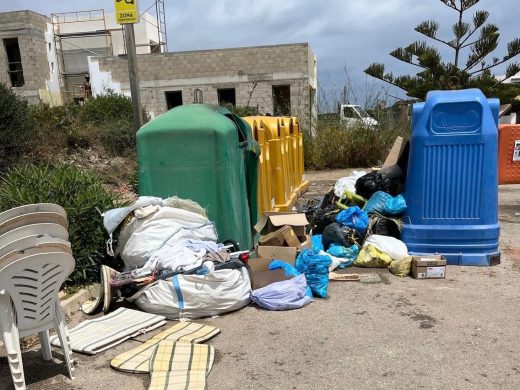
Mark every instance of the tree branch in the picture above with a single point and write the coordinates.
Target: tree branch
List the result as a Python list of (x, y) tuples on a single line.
[(485, 68)]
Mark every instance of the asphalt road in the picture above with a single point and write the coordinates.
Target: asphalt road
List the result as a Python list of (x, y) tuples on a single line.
[(401, 333)]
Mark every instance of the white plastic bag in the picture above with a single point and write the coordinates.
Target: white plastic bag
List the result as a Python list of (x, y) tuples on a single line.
[(347, 183), (393, 247), (196, 296)]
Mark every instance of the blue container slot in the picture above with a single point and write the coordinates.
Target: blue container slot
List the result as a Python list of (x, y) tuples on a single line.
[(452, 178)]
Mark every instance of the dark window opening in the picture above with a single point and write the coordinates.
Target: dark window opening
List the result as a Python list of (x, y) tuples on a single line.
[(281, 100), (173, 99), (226, 96), (14, 61), (154, 47)]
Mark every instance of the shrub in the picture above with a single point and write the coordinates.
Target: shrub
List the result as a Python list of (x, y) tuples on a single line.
[(82, 195), (108, 108), (335, 146), (17, 127)]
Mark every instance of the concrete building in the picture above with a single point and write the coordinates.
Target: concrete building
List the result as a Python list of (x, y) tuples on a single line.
[(278, 79), (48, 59)]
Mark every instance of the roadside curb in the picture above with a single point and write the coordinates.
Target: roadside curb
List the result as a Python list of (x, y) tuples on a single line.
[(73, 304)]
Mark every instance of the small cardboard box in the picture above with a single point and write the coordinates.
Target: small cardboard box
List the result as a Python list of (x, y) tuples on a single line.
[(261, 275), (429, 267), (284, 236), (287, 254), (271, 222)]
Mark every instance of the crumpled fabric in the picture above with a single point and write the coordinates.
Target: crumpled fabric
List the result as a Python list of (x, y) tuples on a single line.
[(285, 295), (184, 204), (113, 218), (347, 183), (288, 271)]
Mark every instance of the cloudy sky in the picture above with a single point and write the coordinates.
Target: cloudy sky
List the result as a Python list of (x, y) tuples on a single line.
[(344, 34)]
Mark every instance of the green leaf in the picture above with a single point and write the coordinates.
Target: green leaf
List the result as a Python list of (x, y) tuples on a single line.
[(428, 28)]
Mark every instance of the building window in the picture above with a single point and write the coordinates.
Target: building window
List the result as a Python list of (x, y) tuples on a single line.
[(173, 99), (226, 96), (14, 61), (154, 47), (281, 100)]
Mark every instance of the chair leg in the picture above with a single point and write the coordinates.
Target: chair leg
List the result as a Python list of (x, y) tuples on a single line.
[(63, 335), (12, 341), (45, 344)]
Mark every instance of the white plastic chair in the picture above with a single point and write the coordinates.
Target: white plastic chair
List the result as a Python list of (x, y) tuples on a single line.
[(32, 208), (29, 304), (52, 229)]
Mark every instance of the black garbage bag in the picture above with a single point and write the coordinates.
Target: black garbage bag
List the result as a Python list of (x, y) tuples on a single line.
[(322, 218), (329, 199), (385, 227), (373, 182), (340, 235)]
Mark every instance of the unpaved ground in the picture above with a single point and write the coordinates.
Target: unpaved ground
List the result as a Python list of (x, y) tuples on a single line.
[(457, 333)]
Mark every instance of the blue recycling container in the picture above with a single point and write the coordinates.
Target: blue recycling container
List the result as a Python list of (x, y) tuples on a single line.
[(452, 178)]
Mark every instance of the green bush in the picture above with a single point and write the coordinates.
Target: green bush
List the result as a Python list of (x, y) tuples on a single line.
[(335, 146), (17, 127), (108, 108), (82, 195)]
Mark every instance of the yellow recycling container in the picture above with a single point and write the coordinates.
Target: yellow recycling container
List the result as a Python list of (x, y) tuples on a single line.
[(280, 180)]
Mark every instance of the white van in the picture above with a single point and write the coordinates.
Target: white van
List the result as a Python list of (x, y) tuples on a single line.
[(354, 115)]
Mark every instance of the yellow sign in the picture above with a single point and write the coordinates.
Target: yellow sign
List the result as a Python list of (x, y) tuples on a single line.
[(127, 11)]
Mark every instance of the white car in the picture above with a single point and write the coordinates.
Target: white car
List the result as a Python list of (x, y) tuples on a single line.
[(354, 115)]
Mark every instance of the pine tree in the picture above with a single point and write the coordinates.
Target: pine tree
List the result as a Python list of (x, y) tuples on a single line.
[(477, 40)]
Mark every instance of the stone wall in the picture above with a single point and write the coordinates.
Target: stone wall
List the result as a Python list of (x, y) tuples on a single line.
[(29, 27), (252, 71)]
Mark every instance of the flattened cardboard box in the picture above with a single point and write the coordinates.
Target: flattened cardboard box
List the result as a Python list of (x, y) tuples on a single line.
[(271, 221), (287, 254), (261, 275), (429, 267)]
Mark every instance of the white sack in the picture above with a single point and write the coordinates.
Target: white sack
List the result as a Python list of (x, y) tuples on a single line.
[(395, 248), (209, 295), (347, 183)]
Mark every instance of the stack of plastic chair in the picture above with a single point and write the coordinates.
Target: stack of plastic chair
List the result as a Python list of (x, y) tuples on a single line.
[(35, 260)]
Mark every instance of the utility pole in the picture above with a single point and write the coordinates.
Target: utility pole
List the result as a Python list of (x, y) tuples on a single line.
[(133, 75), (127, 13)]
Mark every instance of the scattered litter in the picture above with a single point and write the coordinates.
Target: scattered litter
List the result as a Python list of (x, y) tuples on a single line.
[(344, 277)]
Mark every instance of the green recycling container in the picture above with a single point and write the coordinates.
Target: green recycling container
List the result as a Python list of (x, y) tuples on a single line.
[(204, 153)]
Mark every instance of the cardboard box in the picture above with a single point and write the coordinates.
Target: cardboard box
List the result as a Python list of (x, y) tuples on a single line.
[(271, 222), (284, 236), (261, 275), (429, 267), (287, 254)]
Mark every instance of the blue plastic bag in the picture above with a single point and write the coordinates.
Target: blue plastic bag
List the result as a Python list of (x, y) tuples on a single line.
[(288, 270), (284, 295), (354, 218), (349, 254), (317, 243), (385, 204), (316, 270)]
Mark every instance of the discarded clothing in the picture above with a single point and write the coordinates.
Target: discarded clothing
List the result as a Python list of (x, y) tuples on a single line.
[(137, 360), (285, 295), (385, 204), (138, 241), (180, 366), (395, 248), (99, 334), (316, 270), (371, 257)]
